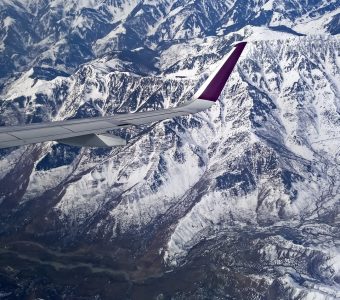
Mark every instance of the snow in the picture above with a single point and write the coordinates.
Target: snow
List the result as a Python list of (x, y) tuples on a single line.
[(8, 21), (269, 5), (40, 181), (26, 86), (73, 4), (8, 163), (315, 26), (262, 33), (80, 22), (102, 44), (279, 112), (212, 210), (122, 11)]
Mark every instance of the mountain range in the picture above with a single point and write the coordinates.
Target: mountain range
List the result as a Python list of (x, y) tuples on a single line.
[(239, 202)]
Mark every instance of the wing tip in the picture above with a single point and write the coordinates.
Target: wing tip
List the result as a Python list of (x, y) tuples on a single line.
[(216, 82), (239, 43)]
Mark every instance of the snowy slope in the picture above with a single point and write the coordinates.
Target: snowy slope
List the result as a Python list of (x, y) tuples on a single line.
[(241, 201)]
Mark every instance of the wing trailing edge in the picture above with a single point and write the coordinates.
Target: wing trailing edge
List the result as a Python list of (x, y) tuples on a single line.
[(94, 140)]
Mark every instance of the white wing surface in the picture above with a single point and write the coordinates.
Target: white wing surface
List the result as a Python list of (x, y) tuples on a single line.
[(91, 131)]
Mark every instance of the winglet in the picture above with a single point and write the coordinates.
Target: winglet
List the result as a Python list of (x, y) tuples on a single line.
[(213, 87)]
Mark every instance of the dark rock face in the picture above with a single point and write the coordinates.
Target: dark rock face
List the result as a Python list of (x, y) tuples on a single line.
[(239, 202), (334, 25)]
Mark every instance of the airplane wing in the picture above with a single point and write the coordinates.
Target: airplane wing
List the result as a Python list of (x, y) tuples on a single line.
[(91, 132)]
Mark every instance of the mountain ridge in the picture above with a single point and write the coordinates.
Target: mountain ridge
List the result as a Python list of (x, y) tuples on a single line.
[(239, 202)]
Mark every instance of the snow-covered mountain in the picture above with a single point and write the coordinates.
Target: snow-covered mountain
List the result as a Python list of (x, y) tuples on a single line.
[(239, 202)]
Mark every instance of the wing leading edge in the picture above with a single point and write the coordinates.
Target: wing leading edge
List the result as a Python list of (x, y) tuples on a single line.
[(91, 131)]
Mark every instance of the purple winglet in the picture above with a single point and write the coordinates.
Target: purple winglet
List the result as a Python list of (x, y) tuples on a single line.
[(216, 85)]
